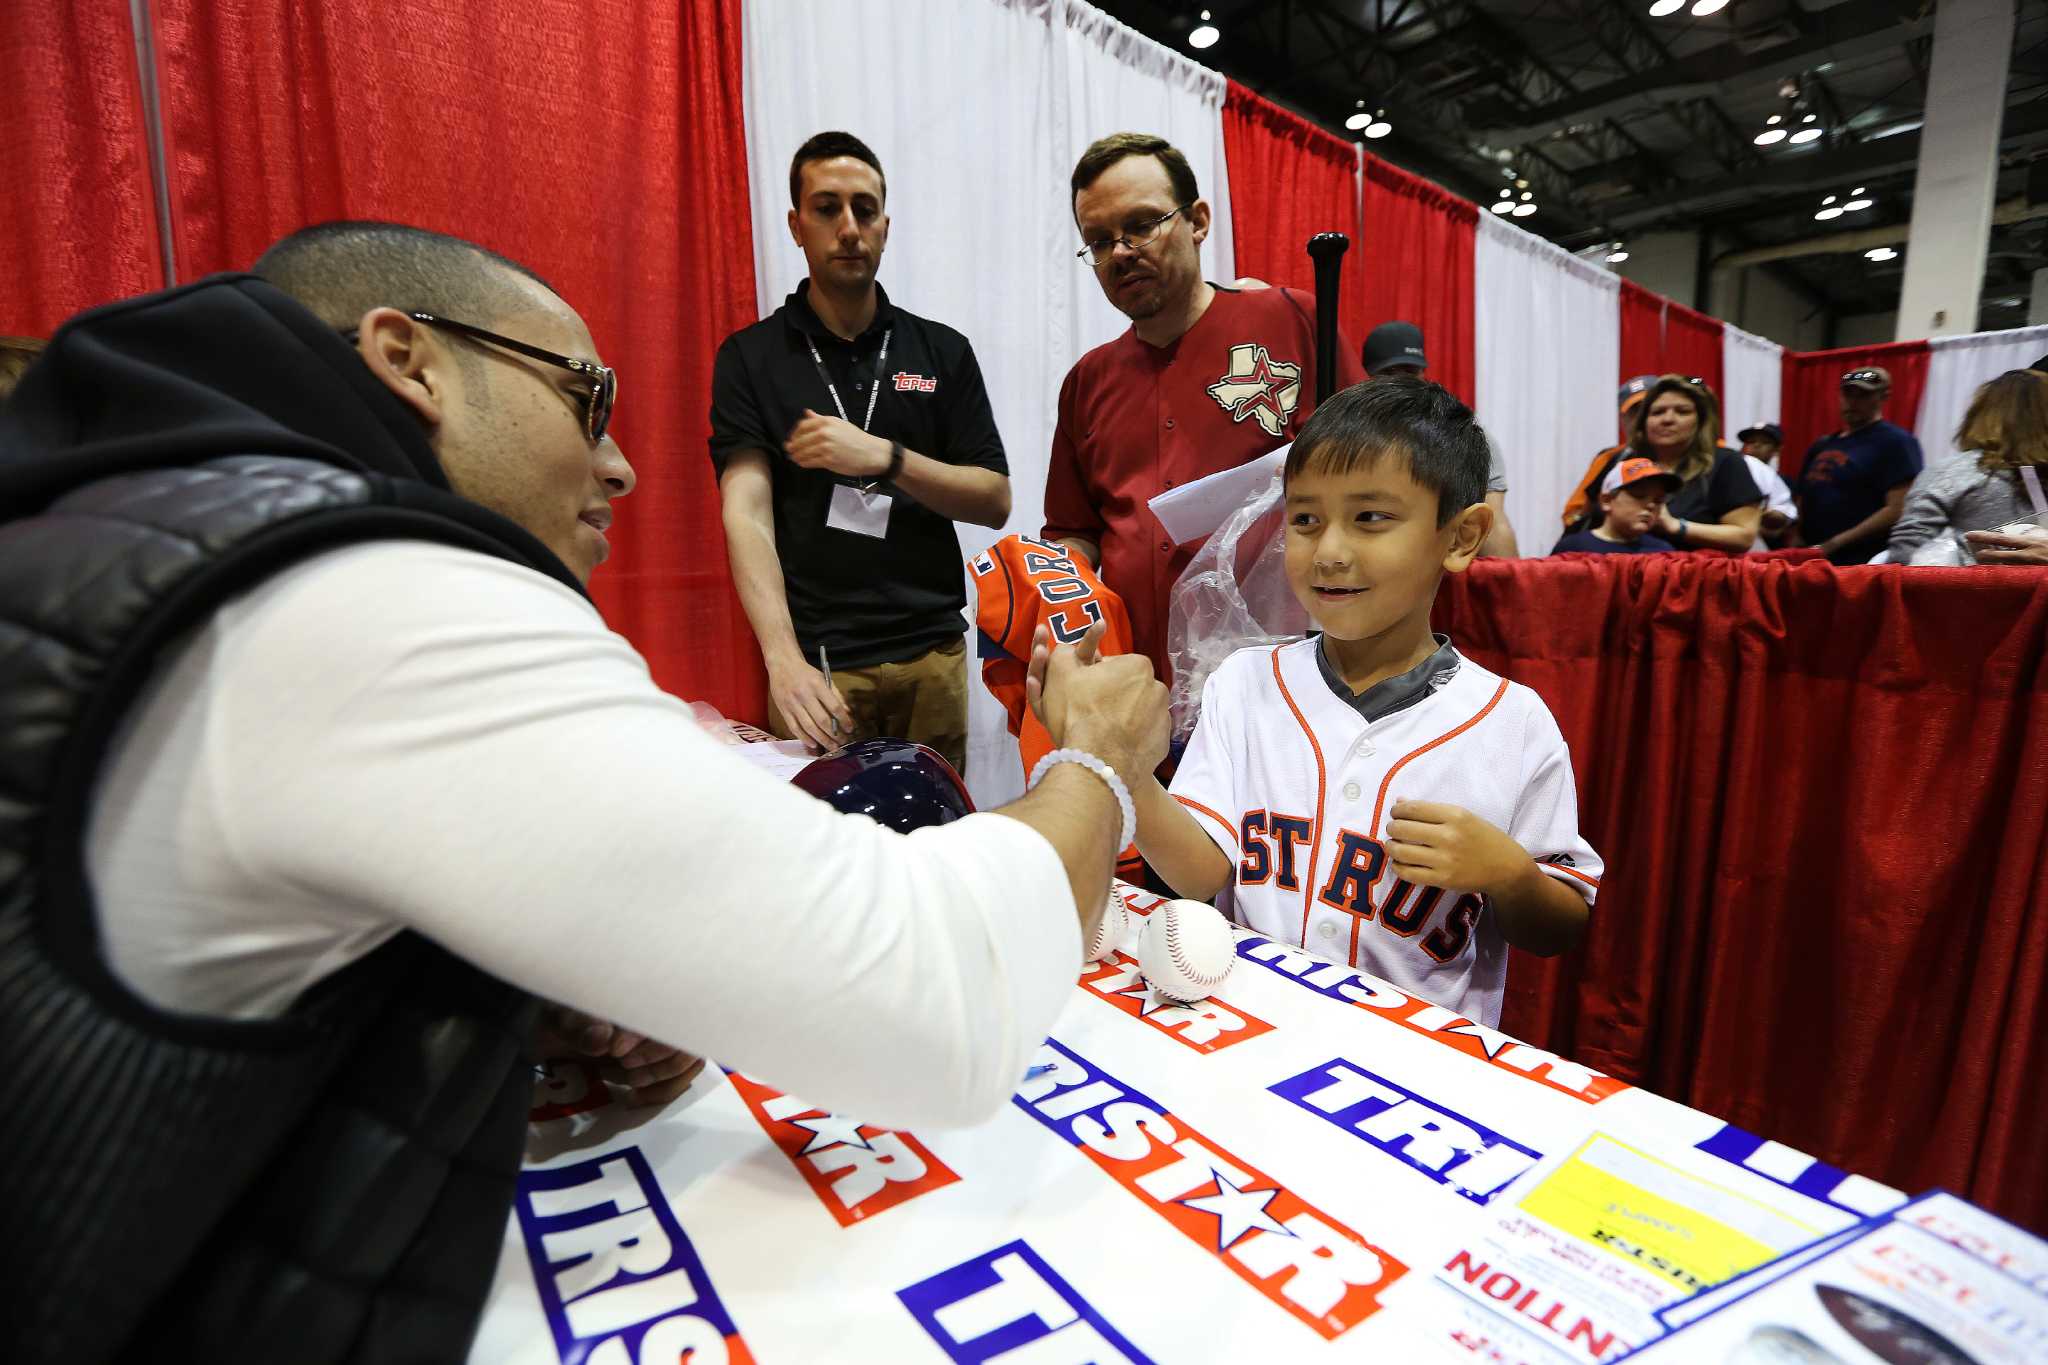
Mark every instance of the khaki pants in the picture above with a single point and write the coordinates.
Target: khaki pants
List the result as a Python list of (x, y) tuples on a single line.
[(922, 699)]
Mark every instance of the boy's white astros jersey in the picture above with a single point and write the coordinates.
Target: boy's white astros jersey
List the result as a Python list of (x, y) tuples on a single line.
[(1296, 787)]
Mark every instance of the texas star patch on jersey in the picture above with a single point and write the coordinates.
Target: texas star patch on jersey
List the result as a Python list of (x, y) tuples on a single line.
[(1296, 788)]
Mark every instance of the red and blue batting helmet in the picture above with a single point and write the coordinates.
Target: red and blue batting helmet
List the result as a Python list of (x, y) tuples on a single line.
[(903, 785)]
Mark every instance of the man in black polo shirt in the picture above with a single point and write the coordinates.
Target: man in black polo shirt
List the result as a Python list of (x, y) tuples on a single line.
[(848, 436), (1853, 484)]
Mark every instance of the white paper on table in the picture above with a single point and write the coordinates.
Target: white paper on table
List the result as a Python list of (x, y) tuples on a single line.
[(1983, 1235), (784, 758), (1895, 1291), (1196, 509), (1677, 1315), (1541, 1286)]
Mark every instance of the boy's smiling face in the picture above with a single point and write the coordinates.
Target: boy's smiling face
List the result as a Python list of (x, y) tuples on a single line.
[(1364, 551)]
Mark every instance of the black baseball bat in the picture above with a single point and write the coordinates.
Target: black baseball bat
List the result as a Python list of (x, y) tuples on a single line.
[(1327, 250)]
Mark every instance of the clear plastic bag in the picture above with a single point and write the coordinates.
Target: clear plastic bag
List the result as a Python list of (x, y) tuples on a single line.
[(1234, 594)]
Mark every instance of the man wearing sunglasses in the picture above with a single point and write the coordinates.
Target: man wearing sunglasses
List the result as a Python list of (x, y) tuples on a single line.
[(1853, 484), (1207, 378), (321, 768)]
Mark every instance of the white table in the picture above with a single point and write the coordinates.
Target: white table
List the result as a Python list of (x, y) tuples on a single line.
[(1308, 1166)]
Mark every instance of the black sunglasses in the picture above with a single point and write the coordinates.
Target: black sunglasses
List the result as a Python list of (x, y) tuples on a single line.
[(604, 381)]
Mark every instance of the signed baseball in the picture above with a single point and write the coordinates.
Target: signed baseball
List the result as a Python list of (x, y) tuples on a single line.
[(1110, 934), (1186, 950)]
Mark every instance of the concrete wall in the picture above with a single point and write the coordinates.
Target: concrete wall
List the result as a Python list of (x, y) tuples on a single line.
[(1867, 329), (1664, 261), (1757, 300)]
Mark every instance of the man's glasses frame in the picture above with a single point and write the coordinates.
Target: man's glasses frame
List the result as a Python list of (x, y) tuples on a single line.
[(604, 381), (1097, 254)]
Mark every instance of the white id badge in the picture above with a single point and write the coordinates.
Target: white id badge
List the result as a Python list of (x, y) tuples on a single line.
[(864, 514)]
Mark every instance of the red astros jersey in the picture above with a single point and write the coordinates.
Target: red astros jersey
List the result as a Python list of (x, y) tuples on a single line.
[(1295, 788), (1019, 582), (1136, 420)]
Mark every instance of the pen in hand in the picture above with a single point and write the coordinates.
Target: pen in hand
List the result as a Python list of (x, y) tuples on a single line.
[(825, 667)]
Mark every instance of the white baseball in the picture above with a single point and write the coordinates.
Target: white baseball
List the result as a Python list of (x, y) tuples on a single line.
[(1110, 934), (1185, 950)]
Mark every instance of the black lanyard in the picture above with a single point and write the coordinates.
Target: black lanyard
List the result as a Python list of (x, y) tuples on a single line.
[(875, 392)]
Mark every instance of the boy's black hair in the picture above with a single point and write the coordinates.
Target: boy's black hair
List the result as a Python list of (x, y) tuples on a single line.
[(1422, 422), (824, 147)]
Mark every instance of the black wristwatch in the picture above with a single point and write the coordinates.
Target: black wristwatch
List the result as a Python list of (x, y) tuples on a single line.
[(895, 462)]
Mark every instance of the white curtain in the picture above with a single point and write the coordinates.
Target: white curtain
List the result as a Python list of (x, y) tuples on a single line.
[(1752, 381), (978, 110), (1956, 367), (1548, 337)]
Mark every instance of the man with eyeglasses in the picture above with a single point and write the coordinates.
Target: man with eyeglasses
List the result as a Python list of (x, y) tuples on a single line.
[(1207, 378), (321, 768), (1853, 485), (849, 435)]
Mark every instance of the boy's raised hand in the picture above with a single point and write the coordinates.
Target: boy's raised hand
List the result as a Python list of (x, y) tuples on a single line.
[(1434, 844)]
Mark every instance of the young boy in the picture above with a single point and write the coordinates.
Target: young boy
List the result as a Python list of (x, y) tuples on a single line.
[(1372, 796), (1631, 500)]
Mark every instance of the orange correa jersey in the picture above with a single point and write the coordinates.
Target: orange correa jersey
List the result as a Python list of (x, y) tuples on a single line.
[(1021, 582)]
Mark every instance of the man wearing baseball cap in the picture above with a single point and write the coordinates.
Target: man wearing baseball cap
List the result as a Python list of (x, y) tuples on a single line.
[(1853, 484), (1395, 348), (1627, 401), (1632, 499)]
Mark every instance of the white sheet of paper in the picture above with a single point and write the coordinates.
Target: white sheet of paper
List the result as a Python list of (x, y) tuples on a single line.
[(864, 514), (1196, 509)]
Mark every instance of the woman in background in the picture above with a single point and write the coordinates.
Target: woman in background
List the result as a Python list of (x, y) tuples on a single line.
[(2006, 430)]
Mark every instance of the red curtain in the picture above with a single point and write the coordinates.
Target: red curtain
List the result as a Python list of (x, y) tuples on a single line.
[(1289, 180), (1416, 266), (81, 220), (1810, 402), (1821, 801), (1692, 345), (1642, 332), (598, 141)]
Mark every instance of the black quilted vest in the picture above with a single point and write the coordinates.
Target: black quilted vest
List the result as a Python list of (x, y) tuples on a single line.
[(332, 1185)]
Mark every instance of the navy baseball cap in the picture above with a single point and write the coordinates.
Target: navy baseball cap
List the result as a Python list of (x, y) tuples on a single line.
[(1633, 391), (1394, 343), (1769, 431)]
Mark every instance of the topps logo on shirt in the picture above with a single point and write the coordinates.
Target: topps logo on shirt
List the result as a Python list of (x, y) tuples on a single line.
[(856, 1170), (1008, 1304), (617, 1278), (1296, 1255), (915, 383)]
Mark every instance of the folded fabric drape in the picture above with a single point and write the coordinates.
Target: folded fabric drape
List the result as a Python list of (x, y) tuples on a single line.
[(1822, 803)]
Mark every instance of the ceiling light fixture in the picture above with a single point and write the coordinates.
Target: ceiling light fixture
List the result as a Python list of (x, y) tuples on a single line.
[(1524, 210), (1527, 196), (1379, 127), (1205, 33), (1828, 214), (1358, 120), (1769, 136), (1503, 206), (1702, 8), (1804, 136), (1858, 204), (1880, 253), (1660, 8), (1618, 255)]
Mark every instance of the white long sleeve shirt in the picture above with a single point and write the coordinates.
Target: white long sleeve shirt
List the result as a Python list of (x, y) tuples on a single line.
[(404, 735)]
